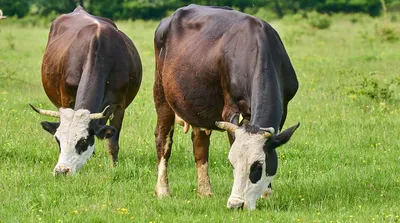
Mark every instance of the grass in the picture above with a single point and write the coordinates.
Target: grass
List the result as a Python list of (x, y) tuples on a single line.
[(342, 165)]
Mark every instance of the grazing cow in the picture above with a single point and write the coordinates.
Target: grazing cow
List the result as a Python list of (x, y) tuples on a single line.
[(88, 65), (213, 64)]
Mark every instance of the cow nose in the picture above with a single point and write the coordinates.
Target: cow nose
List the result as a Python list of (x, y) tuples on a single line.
[(235, 204), (62, 170)]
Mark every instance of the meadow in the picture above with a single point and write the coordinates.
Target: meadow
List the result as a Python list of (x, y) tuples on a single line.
[(342, 164)]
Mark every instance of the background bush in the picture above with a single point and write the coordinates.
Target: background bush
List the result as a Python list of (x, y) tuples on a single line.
[(317, 20), (155, 9)]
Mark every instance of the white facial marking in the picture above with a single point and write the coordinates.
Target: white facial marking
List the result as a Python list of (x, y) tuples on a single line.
[(247, 149), (73, 127)]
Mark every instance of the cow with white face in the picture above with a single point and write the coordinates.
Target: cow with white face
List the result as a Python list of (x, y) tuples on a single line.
[(216, 64), (254, 161), (87, 66), (75, 136)]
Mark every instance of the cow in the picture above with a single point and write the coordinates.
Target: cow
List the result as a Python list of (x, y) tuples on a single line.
[(88, 66), (213, 66)]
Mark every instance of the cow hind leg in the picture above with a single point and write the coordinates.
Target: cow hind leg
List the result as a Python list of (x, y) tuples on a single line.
[(163, 134), (201, 144), (113, 145)]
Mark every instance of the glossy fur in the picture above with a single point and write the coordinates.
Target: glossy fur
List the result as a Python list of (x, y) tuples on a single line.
[(214, 64), (89, 64)]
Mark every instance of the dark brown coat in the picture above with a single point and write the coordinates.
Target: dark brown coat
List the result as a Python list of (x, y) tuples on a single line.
[(213, 64), (90, 64)]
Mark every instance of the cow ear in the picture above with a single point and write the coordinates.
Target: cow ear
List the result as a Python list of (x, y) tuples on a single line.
[(51, 127), (282, 138), (105, 132)]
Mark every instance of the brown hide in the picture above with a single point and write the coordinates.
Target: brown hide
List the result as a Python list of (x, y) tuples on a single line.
[(213, 64), (89, 53), (90, 64)]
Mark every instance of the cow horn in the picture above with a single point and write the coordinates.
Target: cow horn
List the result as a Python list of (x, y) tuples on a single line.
[(45, 112), (100, 115), (267, 132), (227, 126)]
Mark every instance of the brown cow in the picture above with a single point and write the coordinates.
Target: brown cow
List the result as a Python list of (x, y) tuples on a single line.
[(89, 65), (214, 64)]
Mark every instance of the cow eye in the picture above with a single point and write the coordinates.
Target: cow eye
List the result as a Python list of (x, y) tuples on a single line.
[(81, 146), (82, 142), (255, 171)]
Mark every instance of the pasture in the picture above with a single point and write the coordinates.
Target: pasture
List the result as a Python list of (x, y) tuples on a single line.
[(342, 164)]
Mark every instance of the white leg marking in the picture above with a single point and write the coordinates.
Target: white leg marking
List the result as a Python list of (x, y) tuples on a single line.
[(168, 141), (203, 180), (162, 188)]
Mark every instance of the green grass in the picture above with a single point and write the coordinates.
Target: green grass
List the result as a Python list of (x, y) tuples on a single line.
[(342, 165)]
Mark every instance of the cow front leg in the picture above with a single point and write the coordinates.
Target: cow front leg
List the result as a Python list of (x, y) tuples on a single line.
[(113, 142), (201, 144)]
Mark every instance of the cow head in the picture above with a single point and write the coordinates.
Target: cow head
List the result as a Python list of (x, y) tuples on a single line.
[(254, 161), (75, 136)]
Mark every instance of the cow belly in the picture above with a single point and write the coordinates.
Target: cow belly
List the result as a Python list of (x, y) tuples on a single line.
[(199, 106)]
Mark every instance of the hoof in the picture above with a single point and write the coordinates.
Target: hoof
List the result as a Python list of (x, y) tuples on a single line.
[(205, 191), (162, 192)]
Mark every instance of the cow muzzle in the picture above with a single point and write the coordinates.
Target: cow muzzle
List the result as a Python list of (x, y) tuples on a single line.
[(234, 203), (62, 170)]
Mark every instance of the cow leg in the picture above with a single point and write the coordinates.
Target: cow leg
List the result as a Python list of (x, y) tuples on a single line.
[(113, 145), (163, 133), (201, 144)]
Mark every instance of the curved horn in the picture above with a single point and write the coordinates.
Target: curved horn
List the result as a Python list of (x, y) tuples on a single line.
[(227, 126), (45, 112), (267, 132), (100, 115)]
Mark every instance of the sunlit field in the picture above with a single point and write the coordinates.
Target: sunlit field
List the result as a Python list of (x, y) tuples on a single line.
[(342, 164)]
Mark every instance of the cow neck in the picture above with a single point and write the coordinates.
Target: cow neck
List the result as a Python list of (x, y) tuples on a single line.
[(90, 92), (266, 98)]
